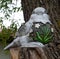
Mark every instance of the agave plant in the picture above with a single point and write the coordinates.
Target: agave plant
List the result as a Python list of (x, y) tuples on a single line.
[(44, 35)]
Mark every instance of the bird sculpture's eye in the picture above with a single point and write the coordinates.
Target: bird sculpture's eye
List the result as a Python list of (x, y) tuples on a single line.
[(45, 11), (33, 12)]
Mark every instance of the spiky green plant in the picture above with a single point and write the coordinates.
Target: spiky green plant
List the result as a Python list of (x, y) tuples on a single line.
[(44, 35)]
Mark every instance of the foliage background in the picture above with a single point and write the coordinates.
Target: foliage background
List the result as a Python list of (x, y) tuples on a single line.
[(7, 7)]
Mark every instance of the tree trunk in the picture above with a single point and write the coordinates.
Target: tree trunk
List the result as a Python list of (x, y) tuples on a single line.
[(15, 53), (51, 51)]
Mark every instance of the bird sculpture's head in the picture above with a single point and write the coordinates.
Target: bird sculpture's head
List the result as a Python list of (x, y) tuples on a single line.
[(39, 10)]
